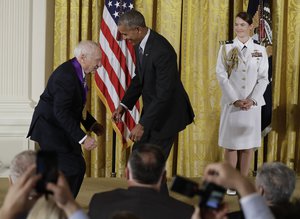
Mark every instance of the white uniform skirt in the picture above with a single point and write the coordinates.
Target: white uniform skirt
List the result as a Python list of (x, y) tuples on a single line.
[(240, 129)]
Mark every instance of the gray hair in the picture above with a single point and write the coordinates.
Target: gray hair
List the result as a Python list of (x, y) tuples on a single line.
[(85, 47), (20, 163), (277, 180), (132, 18)]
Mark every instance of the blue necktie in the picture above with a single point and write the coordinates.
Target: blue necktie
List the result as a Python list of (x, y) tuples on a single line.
[(140, 55)]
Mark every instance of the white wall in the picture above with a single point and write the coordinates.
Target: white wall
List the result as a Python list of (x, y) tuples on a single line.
[(26, 52)]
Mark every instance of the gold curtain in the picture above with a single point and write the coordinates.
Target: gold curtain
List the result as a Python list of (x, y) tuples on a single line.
[(194, 28)]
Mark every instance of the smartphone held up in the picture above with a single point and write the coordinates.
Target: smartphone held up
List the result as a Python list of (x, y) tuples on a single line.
[(47, 166)]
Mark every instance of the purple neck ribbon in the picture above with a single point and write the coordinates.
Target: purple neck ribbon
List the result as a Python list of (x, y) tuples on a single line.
[(82, 79)]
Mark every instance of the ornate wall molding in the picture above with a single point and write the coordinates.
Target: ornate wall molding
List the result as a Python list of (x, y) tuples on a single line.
[(24, 65)]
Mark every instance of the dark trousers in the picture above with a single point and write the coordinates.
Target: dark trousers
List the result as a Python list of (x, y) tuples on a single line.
[(73, 167), (165, 144)]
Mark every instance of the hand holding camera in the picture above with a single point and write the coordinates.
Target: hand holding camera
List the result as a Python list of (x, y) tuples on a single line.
[(211, 195), (224, 174)]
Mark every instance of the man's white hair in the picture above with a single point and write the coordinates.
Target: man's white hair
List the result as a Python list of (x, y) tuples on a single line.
[(85, 47)]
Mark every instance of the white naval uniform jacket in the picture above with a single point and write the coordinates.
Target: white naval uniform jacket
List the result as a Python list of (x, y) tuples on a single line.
[(241, 129), (249, 79)]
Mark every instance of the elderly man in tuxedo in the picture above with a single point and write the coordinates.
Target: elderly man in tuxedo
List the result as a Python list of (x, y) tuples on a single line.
[(60, 111)]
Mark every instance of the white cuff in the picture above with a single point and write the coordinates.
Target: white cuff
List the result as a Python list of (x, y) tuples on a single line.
[(123, 105), (82, 140)]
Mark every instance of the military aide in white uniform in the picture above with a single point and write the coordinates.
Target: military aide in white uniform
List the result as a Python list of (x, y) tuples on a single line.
[(242, 71)]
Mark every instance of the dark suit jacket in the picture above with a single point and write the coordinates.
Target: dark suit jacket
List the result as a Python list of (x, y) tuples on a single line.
[(145, 203), (166, 106), (56, 120)]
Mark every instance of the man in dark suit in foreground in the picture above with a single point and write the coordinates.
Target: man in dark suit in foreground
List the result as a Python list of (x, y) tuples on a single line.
[(145, 171), (56, 120), (166, 106)]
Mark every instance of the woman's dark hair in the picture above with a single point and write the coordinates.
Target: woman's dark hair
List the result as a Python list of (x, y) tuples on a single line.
[(245, 16)]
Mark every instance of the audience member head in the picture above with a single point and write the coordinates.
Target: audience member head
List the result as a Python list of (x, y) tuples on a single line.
[(15, 203), (146, 165), (59, 205), (46, 209), (88, 54), (276, 182), (20, 164)]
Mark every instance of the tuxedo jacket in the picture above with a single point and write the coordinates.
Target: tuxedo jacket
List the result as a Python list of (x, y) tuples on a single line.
[(145, 203), (166, 106), (56, 120)]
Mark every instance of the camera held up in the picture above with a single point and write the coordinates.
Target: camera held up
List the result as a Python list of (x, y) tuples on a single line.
[(210, 194)]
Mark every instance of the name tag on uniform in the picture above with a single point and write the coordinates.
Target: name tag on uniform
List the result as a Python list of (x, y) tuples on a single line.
[(256, 54)]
